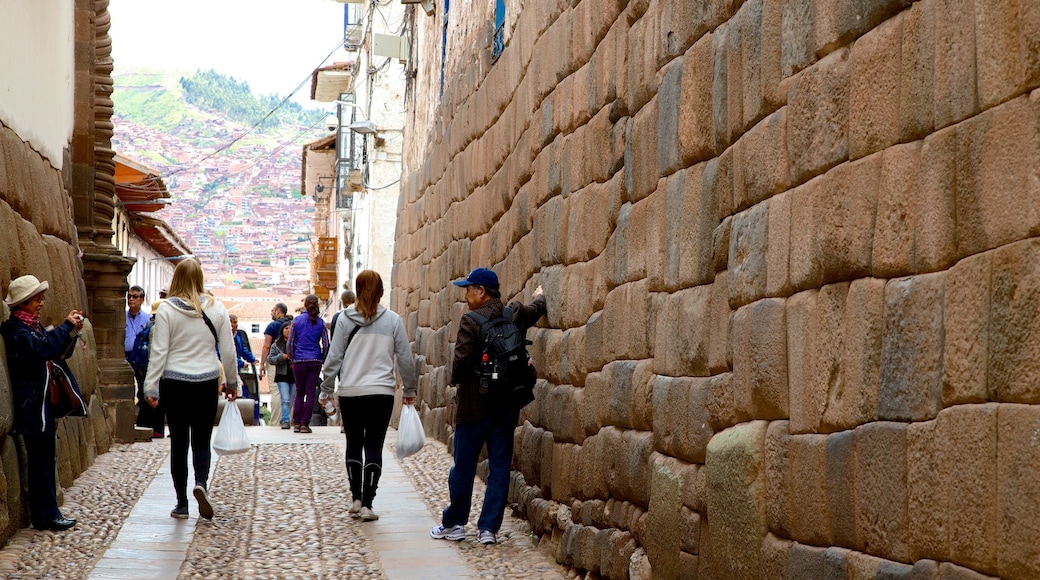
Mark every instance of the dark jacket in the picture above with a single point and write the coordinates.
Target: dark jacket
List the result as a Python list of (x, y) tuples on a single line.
[(28, 350), (469, 406)]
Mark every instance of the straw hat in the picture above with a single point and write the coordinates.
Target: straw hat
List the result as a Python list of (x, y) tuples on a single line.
[(24, 288)]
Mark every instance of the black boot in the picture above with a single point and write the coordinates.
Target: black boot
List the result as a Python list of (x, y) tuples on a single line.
[(368, 494), (354, 478)]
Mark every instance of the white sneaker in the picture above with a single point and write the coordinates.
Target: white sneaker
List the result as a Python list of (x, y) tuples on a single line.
[(453, 533), (205, 508), (355, 509), (486, 537), (368, 515)]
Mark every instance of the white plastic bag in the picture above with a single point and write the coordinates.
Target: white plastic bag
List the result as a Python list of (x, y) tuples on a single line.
[(231, 433), (410, 436)]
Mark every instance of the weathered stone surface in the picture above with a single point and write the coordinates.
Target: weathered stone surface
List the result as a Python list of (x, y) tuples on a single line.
[(839, 22), (760, 381), (948, 571), (1014, 324), (663, 515), (778, 246), (912, 348), (1000, 63), (780, 508), (956, 96), (699, 219), (804, 266), (817, 117), (841, 476), (881, 490), (893, 244), (669, 158), (843, 215), (802, 360), (933, 207), (966, 331), (810, 501), (926, 497), (1018, 474), (736, 485), (998, 184), (853, 399), (696, 132), (748, 241), (968, 438), (916, 105), (681, 418), (797, 41), (874, 89), (763, 167), (641, 169), (683, 333), (775, 555)]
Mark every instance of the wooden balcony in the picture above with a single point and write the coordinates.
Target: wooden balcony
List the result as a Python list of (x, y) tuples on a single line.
[(325, 263)]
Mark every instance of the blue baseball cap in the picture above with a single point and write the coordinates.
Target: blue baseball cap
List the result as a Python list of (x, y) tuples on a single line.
[(479, 277)]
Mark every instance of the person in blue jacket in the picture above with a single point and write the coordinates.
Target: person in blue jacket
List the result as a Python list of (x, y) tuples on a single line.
[(29, 348)]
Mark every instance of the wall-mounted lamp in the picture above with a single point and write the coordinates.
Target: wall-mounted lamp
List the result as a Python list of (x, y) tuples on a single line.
[(320, 188), (364, 126)]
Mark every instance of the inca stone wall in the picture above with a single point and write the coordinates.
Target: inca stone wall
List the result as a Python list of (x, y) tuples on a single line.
[(792, 256), (39, 239)]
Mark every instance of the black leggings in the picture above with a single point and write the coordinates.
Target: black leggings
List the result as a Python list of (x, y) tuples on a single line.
[(190, 411), (365, 420)]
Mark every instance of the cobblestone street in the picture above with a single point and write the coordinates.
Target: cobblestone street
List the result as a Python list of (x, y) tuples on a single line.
[(280, 513)]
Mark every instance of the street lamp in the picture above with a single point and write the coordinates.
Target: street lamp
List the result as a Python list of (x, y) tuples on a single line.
[(364, 126)]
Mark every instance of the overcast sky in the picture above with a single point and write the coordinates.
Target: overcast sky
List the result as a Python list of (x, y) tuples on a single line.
[(271, 44)]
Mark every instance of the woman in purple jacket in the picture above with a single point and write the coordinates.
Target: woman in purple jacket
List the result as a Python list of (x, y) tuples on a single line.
[(307, 346)]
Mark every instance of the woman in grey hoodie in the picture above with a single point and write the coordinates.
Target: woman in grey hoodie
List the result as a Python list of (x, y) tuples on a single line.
[(368, 338)]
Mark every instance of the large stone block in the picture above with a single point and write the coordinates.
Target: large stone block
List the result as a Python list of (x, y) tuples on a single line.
[(1018, 487), (735, 470), (763, 167), (781, 505), (968, 437), (881, 489), (630, 322), (760, 32), (893, 247), (775, 555), (948, 571), (669, 158), (696, 132), (810, 500), (623, 458), (839, 22), (797, 41), (926, 496), (912, 349), (682, 426), (748, 241), (641, 152), (1000, 62), (844, 213), (933, 212), (954, 81), (699, 218), (917, 57), (683, 333), (852, 399), (719, 354), (722, 80), (642, 64), (778, 246), (803, 358), (663, 516), (874, 89), (1029, 29), (804, 265), (760, 379), (998, 180), (966, 331), (841, 475), (1014, 324), (817, 117)]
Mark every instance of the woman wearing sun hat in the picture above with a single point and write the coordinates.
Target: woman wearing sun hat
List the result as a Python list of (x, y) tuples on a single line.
[(29, 348)]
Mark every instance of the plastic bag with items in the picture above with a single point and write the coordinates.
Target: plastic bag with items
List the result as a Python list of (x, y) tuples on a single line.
[(410, 436), (231, 432)]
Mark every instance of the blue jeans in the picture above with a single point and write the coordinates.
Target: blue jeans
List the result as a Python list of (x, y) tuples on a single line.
[(286, 392), (497, 433)]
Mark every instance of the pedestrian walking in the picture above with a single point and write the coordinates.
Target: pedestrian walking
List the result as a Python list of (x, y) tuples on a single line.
[(136, 321), (307, 345), (278, 317), (369, 339), (283, 375), (480, 417), (184, 372), (33, 353)]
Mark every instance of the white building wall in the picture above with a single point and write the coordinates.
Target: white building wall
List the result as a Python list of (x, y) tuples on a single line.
[(35, 36)]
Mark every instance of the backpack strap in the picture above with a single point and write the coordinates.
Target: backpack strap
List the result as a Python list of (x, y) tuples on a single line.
[(209, 323)]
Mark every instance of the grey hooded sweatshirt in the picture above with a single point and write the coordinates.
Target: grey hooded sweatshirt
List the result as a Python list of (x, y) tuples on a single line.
[(367, 367)]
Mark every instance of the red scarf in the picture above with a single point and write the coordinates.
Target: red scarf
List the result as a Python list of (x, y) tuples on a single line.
[(30, 319)]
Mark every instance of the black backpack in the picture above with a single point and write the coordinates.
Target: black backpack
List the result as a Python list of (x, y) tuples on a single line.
[(138, 357), (506, 374)]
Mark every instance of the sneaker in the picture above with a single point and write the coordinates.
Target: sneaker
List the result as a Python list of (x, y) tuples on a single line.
[(205, 508), (367, 515), (453, 533), (285, 424), (486, 537), (355, 509), (180, 512)]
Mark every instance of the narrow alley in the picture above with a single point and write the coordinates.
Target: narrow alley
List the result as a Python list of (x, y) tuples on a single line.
[(281, 512)]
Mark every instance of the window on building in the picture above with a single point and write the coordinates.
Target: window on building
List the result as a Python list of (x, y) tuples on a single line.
[(499, 43), (256, 329)]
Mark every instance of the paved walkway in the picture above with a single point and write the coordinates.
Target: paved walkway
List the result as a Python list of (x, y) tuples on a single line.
[(153, 546)]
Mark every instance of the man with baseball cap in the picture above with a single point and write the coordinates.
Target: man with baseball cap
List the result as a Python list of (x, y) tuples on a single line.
[(476, 422)]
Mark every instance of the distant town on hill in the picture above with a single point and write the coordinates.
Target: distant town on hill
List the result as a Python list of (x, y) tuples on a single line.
[(237, 206)]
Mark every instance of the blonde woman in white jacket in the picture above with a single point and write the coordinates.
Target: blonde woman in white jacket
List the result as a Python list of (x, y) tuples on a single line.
[(185, 373)]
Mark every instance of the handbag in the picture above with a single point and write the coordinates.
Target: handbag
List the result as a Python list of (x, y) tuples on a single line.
[(231, 432), (64, 398)]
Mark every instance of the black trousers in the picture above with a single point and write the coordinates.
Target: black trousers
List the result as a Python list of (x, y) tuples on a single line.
[(40, 451), (190, 411), (365, 420)]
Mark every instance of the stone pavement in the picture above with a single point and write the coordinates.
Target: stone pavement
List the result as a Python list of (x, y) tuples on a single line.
[(280, 513)]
